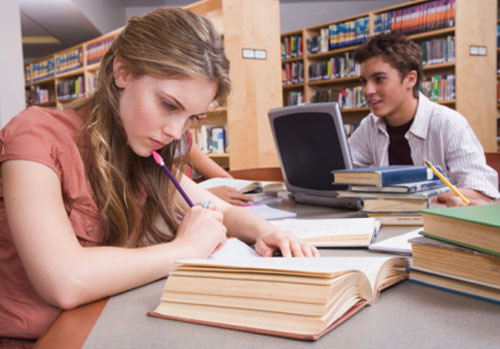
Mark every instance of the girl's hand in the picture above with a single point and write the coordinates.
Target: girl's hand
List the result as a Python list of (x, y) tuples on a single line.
[(231, 195), (287, 243), (201, 232)]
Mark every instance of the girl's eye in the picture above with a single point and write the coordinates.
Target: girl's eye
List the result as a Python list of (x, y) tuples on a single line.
[(169, 106), (379, 79)]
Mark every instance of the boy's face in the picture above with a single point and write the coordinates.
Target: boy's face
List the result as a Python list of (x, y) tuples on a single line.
[(387, 95)]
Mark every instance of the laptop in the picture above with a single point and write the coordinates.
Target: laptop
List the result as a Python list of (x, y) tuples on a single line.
[(311, 143)]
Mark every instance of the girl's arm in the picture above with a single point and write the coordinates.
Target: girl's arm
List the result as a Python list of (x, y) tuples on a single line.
[(250, 227), (63, 272), (204, 165)]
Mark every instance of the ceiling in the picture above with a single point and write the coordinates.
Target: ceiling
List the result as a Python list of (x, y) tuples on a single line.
[(48, 26)]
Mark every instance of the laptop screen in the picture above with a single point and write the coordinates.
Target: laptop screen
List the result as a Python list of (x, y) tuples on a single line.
[(311, 143)]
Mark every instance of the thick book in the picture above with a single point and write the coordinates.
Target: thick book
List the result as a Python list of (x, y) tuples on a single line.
[(475, 227), (441, 257), (453, 284), (340, 232), (384, 175), (419, 195), (244, 186), (407, 188), (301, 298), (398, 219), (371, 205)]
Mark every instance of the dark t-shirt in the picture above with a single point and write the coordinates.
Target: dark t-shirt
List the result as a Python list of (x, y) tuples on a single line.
[(399, 149)]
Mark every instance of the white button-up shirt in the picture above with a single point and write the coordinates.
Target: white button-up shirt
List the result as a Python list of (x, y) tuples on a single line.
[(438, 134)]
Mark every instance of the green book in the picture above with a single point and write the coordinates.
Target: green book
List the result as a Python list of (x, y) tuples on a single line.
[(474, 227)]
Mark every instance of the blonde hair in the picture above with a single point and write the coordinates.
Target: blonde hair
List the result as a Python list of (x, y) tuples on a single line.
[(134, 196)]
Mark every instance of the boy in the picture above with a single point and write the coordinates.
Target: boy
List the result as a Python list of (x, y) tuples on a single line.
[(405, 127)]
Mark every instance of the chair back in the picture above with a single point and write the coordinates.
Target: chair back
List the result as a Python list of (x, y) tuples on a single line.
[(493, 160)]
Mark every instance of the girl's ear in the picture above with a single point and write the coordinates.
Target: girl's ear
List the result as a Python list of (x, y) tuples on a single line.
[(120, 73)]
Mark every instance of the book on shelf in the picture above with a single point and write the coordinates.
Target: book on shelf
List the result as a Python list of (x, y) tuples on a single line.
[(442, 257), (474, 227), (388, 218), (457, 285), (244, 186), (384, 175), (398, 244), (407, 188), (301, 298), (340, 232)]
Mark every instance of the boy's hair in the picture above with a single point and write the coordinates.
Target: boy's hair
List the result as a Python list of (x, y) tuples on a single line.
[(402, 54)]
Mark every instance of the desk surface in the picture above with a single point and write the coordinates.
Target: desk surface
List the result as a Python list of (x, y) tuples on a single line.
[(406, 315)]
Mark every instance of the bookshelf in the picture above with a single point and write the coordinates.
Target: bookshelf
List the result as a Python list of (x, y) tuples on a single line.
[(256, 83), (473, 76)]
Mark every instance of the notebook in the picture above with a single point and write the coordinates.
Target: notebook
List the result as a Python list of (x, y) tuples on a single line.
[(311, 143)]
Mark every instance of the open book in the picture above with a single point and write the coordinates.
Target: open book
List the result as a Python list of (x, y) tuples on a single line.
[(301, 298), (244, 186), (341, 232)]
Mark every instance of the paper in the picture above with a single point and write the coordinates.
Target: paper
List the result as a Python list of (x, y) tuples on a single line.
[(268, 212), (234, 249), (398, 244)]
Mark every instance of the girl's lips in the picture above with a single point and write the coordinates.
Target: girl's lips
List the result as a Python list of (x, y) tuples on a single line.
[(156, 145)]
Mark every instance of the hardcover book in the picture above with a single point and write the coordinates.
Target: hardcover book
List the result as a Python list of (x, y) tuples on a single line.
[(453, 284), (475, 227), (411, 187), (384, 175), (441, 257), (340, 232), (301, 298)]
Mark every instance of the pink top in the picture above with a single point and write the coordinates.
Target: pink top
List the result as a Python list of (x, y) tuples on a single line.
[(47, 137)]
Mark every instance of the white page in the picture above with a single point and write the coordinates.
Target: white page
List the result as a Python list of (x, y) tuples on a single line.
[(268, 212), (228, 182), (312, 228), (234, 249), (398, 244), (320, 265)]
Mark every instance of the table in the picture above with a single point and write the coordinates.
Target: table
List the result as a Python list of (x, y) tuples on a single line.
[(406, 315)]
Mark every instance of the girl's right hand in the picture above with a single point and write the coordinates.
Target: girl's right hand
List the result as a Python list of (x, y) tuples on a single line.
[(201, 232)]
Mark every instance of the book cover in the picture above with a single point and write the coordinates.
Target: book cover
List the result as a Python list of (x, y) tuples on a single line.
[(301, 298), (408, 188), (419, 195), (397, 219), (475, 227), (384, 175)]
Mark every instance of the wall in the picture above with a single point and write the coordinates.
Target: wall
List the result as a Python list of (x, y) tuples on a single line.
[(12, 99)]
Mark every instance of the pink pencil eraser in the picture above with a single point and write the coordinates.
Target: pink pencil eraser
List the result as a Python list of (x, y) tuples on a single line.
[(157, 157)]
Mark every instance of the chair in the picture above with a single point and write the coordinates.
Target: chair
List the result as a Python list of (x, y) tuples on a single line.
[(493, 160), (259, 174)]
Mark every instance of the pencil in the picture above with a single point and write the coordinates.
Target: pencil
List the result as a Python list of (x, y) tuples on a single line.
[(451, 186), (159, 161)]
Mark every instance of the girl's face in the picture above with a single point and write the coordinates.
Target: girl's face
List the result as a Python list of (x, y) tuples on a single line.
[(154, 112)]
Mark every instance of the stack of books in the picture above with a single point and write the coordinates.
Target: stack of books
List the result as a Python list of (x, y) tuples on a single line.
[(392, 194), (459, 251)]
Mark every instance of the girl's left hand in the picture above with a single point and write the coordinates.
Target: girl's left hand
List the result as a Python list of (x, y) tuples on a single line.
[(287, 243)]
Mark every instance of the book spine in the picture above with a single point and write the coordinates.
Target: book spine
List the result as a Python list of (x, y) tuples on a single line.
[(406, 176)]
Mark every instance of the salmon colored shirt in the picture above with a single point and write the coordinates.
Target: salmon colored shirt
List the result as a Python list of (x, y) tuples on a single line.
[(47, 137)]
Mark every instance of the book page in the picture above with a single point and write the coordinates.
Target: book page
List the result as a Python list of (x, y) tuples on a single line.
[(322, 266), (397, 244), (234, 249), (238, 184), (269, 213), (312, 228)]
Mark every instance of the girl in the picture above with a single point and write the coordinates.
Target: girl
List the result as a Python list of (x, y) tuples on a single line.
[(86, 212)]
